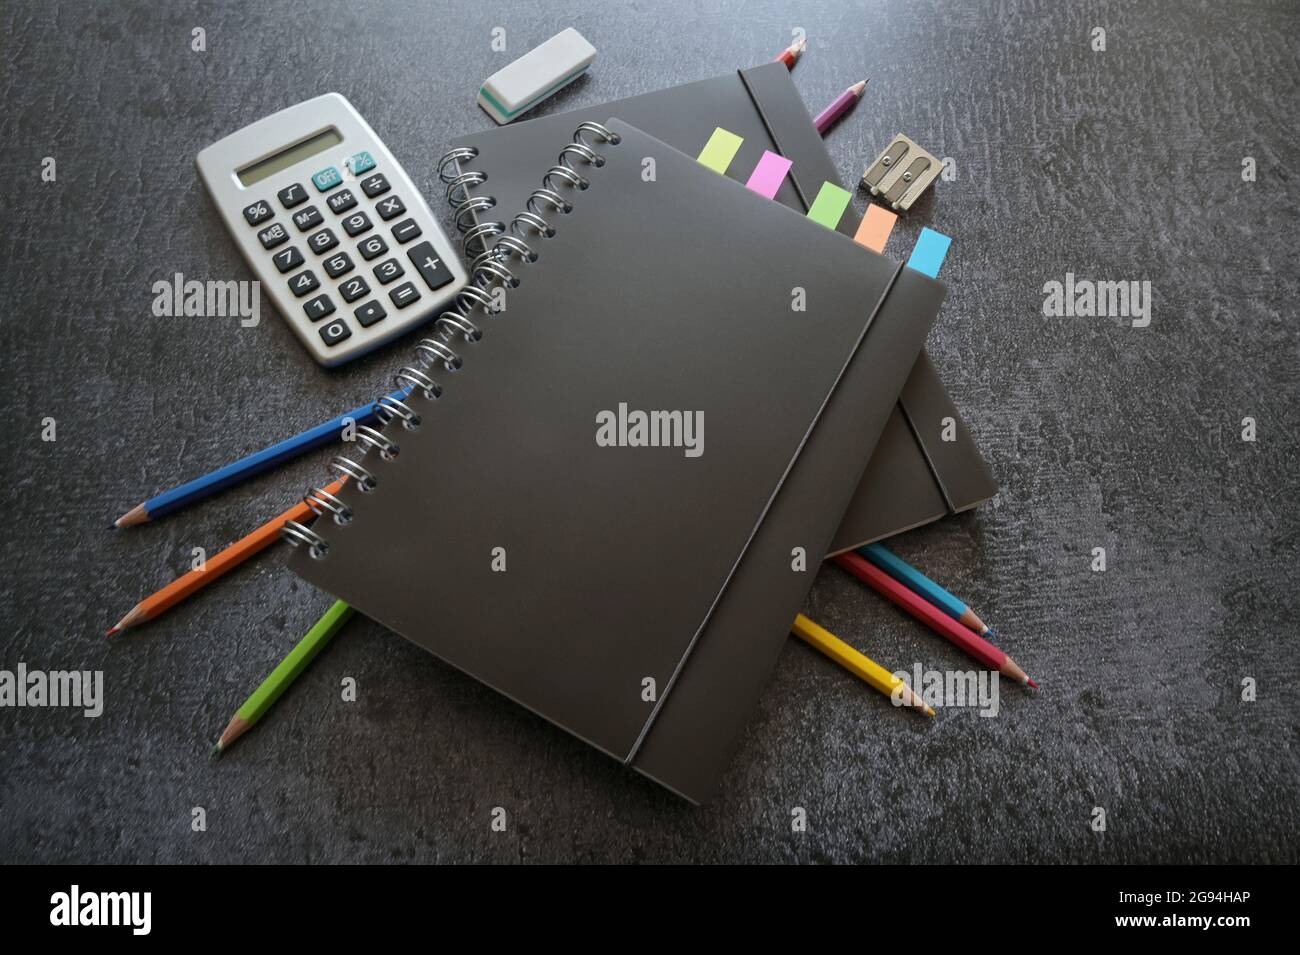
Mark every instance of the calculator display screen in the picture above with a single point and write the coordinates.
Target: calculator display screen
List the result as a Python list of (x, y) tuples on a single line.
[(288, 157)]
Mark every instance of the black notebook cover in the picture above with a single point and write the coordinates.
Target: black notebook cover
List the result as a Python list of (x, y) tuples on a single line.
[(916, 477), (673, 294)]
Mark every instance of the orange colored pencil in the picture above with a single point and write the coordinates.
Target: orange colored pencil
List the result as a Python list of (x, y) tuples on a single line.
[(163, 600)]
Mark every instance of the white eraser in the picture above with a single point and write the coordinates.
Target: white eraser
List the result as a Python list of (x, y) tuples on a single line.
[(512, 91)]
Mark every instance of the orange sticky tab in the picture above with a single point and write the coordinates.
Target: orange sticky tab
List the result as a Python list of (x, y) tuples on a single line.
[(873, 231)]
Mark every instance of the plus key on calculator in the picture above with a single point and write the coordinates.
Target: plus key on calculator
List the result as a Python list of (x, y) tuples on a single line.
[(314, 199)]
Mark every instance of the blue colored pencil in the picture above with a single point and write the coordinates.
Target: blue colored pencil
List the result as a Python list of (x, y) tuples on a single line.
[(169, 502), (918, 583)]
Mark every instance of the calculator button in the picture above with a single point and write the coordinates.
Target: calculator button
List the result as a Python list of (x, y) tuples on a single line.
[(273, 235), (318, 307), (291, 196), (369, 313), (341, 201), (327, 179), (287, 259), (337, 265), (356, 223), (388, 270), (372, 247), (322, 241), (391, 208), (361, 162), (404, 295), (335, 332), (308, 218), (376, 185), (304, 282), (429, 264), (353, 289), (258, 212), (406, 230)]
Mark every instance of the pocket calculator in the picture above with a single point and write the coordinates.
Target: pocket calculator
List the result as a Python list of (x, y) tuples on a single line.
[(339, 237)]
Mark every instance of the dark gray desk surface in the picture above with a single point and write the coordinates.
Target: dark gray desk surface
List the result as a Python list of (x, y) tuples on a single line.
[(1117, 165)]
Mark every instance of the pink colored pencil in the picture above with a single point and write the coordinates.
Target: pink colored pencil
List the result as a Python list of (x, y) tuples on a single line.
[(843, 103)]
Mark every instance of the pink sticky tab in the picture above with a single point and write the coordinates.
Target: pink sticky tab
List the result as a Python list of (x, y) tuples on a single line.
[(768, 175)]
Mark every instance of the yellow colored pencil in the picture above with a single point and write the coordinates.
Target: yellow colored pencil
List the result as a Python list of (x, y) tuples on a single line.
[(857, 663)]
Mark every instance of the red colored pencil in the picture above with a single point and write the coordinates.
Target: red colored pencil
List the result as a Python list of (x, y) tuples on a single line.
[(790, 55), (938, 621)]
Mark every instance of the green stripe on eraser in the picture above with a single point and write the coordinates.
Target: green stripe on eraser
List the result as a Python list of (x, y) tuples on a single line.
[(829, 205)]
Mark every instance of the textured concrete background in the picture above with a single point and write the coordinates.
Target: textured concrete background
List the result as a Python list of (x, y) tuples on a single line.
[(1119, 165)]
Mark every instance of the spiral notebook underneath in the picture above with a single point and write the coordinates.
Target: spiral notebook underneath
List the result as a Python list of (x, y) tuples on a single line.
[(927, 465), (570, 512)]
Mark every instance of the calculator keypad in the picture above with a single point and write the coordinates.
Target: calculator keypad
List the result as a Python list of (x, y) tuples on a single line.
[(389, 270), (273, 235), (356, 224), (322, 241), (291, 196), (369, 314), (350, 211), (430, 265), (308, 218), (287, 259), (372, 247), (406, 230), (353, 288), (327, 179), (257, 213), (341, 201), (404, 295), (361, 162), (336, 265), (335, 332), (304, 282), (390, 207), (375, 185), (318, 307)]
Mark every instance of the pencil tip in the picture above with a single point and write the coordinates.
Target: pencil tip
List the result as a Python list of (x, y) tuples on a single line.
[(929, 711), (215, 751), (112, 630), (1031, 683), (137, 515)]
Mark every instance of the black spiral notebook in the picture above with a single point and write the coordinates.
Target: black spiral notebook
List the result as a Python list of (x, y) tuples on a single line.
[(919, 473), (568, 518)]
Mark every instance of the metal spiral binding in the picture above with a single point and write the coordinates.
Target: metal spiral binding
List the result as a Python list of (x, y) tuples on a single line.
[(464, 207), (488, 268)]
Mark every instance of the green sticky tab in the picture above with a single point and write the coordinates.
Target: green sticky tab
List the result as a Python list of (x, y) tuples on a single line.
[(829, 205), (720, 150)]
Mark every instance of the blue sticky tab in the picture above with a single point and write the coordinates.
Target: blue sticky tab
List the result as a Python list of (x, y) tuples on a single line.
[(928, 255)]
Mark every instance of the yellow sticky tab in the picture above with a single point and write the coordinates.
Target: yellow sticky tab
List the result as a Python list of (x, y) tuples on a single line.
[(720, 150)]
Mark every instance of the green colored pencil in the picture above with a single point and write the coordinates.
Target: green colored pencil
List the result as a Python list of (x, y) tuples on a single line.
[(281, 677)]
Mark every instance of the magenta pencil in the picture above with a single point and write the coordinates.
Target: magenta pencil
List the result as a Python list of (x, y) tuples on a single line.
[(843, 103)]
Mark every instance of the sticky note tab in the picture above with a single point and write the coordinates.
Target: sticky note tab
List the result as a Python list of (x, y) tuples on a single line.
[(927, 257), (873, 230), (829, 205), (720, 150), (768, 175)]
